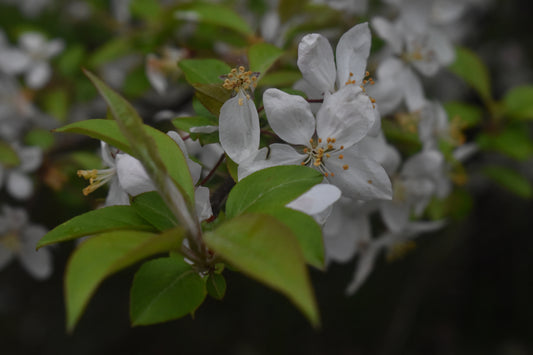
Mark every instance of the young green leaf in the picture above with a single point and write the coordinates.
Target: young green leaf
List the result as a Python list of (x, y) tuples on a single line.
[(519, 102), (471, 69), (265, 249), (152, 208), (513, 141), (105, 254), (214, 14), (262, 56), (165, 289), (216, 286), (94, 222), (212, 96), (510, 180), (271, 187), (8, 155), (203, 71), (467, 115), (306, 231)]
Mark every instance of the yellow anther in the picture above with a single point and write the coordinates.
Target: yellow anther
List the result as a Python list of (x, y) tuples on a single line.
[(319, 140), (241, 101), (342, 147), (302, 163), (367, 73), (345, 167), (369, 181), (306, 150), (333, 140), (332, 174), (326, 174), (341, 156), (330, 147), (328, 155)]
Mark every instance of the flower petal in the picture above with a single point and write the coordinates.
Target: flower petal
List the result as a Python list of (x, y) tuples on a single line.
[(202, 203), (132, 176), (289, 116), (352, 54), (346, 115), (359, 178), (316, 62), (275, 155), (239, 128), (395, 215), (19, 185), (316, 200), (37, 262)]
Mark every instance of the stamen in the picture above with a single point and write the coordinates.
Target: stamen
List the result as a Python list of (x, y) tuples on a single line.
[(345, 167)]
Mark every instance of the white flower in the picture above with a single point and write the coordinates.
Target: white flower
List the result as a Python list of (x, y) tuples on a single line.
[(344, 119), (322, 72), (158, 70), (423, 176), (18, 183), (18, 238), (317, 201), (31, 59), (239, 122)]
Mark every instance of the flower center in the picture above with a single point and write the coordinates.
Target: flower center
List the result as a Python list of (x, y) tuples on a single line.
[(96, 178), (241, 81), (11, 241), (367, 80), (319, 151)]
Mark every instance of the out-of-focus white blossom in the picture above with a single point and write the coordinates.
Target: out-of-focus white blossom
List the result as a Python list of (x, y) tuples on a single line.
[(18, 239)]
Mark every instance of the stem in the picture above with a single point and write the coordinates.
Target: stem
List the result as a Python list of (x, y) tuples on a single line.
[(220, 160)]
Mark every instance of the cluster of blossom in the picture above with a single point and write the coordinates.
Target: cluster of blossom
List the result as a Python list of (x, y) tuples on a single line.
[(24, 69), (335, 130)]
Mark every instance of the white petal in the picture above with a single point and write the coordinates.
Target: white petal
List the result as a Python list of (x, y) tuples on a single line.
[(32, 42), (275, 155), (316, 200), (289, 116), (19, 185), (389, 32), (395, 215), (156, 78), (116, 194), (413, 91), (377, 149), (203, 129), (346, 115), (352, 54), (365, 264), (37, 262), (31, 158), (316, 62), (53, 48), (239, 128), (359, 178), (107, 156), (132, 176), (38, 76), (203, 205), (194, 168), (13, 61), (424, 164)]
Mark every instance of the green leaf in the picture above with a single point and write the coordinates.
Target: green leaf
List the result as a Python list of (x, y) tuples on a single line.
[(306, 231), (105, 254), (203, 71), (152, 207), (280, 78), (8, 155), (212, 96), (94, 222), (165, 289), (56, 103), (70, 61), (111, 50), (214, 14), (468, 115), (513, 141), (262, 56), (510, 179), (147, 9), (270, 188), (170, 153), (519, 102), (42, 138), (216, 286), (471, 69), (266, 250), (290, 8)]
